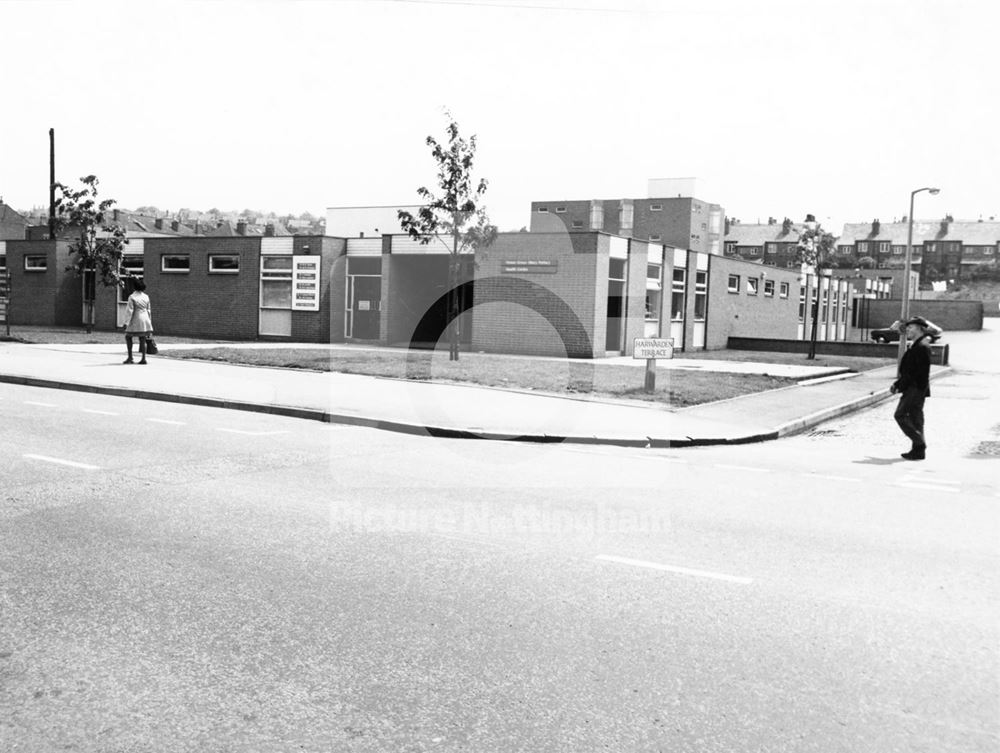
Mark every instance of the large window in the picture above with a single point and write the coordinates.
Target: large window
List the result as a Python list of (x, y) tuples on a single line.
[(700, 295), (677, 294), (276, 282)]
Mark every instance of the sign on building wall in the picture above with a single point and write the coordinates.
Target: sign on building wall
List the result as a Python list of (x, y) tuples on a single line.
[(305, 283), (533, 266), (4, 296)]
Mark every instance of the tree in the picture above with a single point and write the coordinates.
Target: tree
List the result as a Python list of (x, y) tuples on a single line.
[(99, 246), (815, 250), (457, 213)]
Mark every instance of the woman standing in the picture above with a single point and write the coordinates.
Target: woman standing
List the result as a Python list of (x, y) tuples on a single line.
[(138, 321)]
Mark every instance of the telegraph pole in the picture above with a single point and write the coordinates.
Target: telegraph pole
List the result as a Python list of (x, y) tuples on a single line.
[(52, 184)]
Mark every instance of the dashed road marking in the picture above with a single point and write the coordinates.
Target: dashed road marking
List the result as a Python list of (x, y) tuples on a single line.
[(828, 477), (166, 421), (928, 486), (749, 469), (60, 461), (100, 412), (250, 433), (42, 405), (674, 569)]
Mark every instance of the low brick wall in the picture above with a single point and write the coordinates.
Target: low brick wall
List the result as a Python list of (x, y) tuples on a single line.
[(939, 353)]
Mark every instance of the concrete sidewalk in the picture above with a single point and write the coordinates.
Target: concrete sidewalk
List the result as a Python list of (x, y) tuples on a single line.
[(447, 410)]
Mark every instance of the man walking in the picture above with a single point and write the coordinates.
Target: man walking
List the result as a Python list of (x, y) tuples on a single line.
[(913, 385)]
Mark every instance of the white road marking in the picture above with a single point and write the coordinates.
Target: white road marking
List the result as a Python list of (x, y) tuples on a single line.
[(165, 421), (673, 569), (251, 433), (43, 405), (99, 412), (831, 478), (928, 487), (59, 461), (747, 468)]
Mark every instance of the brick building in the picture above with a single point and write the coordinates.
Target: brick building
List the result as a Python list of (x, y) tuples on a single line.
[(576, 294), (774, 243), (681, 222)]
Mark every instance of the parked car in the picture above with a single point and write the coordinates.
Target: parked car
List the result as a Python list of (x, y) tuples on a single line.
[(887, 335), (891, 335)]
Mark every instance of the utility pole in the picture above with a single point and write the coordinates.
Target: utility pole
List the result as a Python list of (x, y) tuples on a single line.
[(52, 184)]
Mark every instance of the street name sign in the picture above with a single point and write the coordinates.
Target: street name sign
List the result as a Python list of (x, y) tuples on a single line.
[(653, 347)]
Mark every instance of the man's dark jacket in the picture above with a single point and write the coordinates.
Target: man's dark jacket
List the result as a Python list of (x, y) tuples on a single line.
[(915, 368)]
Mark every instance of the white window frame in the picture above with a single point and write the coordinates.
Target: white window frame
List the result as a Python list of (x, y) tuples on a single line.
[(655, 237), (769, 288), (543, 210), (560, 210), (753, 285), (678, 286), (277, 275), (733, 284), (172, 271), (213, 257), (783, 290), (35, 266), (656, 207)]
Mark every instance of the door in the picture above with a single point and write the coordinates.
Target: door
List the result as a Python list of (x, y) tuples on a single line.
[(366, 308)]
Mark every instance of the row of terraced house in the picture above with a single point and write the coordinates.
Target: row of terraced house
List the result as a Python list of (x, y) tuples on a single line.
[(585, 280)]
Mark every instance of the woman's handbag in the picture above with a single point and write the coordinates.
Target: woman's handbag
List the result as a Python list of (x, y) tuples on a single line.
[(151, 348)]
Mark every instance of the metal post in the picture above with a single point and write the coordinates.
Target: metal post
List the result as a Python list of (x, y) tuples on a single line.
[(904, 312)]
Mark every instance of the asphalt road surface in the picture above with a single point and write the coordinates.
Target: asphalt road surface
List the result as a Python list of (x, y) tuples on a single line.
[(176, 578)]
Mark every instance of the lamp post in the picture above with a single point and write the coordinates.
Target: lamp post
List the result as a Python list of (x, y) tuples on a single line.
[(904, 313)]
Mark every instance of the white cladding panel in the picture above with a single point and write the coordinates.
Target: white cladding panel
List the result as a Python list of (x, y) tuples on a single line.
[(619, 247), (680, 258), (364, 246), (135, 246), (284, 245), (655, 254), (404, 244)]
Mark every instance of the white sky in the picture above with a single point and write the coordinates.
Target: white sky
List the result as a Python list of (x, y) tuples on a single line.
[(777, 107)]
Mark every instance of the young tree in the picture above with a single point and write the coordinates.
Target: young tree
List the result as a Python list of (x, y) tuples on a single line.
[(457, 214), (815, 250), (99, 246)]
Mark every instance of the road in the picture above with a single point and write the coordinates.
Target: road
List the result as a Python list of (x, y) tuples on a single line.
[(176, 578)]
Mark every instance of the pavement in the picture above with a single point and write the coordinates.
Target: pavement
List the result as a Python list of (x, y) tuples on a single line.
[(460, 411)]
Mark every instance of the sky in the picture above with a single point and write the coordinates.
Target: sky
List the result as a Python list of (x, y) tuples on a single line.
[(774, 107)]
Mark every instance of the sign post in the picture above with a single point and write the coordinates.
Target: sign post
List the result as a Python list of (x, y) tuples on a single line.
[(5, 298), (652, 348)]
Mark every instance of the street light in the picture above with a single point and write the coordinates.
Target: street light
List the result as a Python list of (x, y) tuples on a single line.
[(904, 313)]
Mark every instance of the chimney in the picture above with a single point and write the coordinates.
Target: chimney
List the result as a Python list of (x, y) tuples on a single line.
[(876, 227), (158, 222), (728, 225), (197, 227), (269, 230), (116, 215), (241, 227), (175, 226), (786, 226), (772, 221)]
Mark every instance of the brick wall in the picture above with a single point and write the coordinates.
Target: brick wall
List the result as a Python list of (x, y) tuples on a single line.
[(50, 298), (314, 326), (199, 304), (542, 313), (949, 315)]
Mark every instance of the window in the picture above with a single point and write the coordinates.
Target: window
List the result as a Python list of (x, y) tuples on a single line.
[(656, 207), (755, 251), (883, 247), (752, 283), (783, 290), (700, 295), (543, 210), (276, 282), (730, 248), (131, 269), (988, 250), (223, 264), (653, 272), (560, 210), (677, 294), (36, 263), (862, 248), (616, 269), (734, 284), (3, 261), (652, 305), (769, 288), (898, 250), (596, 216), (802, 304), (577, 223), (654, 237), (771, 248), (175, 263)]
